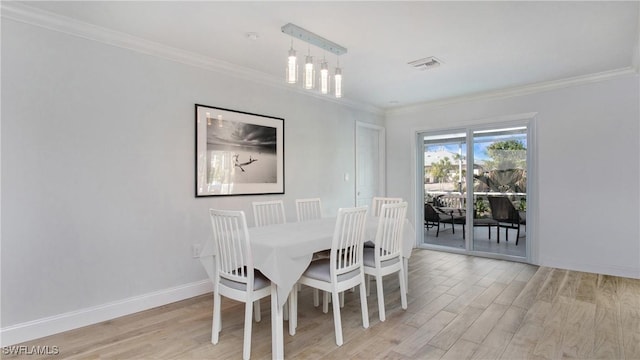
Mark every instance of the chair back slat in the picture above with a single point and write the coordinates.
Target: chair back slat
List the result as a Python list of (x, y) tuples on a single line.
[(234, 260), (389, 234), (308, 209), (379, 201), (268, 213), (348, 240)]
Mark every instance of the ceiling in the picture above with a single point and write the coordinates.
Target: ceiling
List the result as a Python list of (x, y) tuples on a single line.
[(485, 46)]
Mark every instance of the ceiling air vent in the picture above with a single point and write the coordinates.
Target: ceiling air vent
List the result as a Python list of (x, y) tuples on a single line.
[(426, 63)]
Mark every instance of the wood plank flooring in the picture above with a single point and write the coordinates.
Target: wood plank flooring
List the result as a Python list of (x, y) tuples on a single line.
[(460, 307)]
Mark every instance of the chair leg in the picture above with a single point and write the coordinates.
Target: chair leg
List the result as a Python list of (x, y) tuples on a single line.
[(405, 262), (363, 304), (403, 288), (438, 230), (518, 235), (341, 296), (325, 302), (256, 310), (368, 278), (316, 297), (246, 348), (381, 312), (336, 317), (217, 322)]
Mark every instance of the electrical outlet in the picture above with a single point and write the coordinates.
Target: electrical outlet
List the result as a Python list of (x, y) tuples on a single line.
[(195, 250)]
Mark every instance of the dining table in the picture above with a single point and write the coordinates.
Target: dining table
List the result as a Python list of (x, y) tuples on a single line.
[(282, 252)]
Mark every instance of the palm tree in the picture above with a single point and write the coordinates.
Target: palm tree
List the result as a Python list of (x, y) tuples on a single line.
[(440, 170), (507, 168)]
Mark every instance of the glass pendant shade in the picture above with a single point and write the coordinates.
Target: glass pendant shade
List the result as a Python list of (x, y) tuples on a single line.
[(292, 68), (338, 82), (309, 73), (324, 77)]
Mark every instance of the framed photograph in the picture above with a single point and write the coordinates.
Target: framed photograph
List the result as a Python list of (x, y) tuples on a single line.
[(238, 153)]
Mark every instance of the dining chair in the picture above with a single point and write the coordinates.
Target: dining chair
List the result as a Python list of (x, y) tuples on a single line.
[(386, 257), (311, 209), (235, 276), (344, 268), (268, 213), (308, 209), (379, 201), (375, 211)]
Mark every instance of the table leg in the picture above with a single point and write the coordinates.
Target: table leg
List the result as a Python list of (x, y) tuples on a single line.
[(277, 327)]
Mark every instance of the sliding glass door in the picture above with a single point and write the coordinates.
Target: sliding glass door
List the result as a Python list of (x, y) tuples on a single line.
[(474, 189), (444, 188), (500, 190)]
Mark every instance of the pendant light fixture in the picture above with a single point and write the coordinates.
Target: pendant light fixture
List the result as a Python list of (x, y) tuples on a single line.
[(338, 81), (308, 75), (324, 77), (309, 72), (292, 66)]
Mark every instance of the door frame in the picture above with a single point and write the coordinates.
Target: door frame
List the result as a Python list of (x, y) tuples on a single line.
[(530, 120), (382, 185)]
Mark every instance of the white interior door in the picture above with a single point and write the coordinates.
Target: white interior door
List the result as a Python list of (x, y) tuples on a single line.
[(370, 166)]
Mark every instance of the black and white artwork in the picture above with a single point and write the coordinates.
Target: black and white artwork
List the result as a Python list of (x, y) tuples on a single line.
[(238, 153)]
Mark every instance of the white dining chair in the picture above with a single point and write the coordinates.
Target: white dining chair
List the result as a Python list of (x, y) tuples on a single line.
[(235, 276), (311, 209), (308, 209), (375, 211), (344, 268), (386, 257), (268, 213), (379, 201)]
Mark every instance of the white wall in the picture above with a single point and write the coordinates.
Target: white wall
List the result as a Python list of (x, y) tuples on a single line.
[(98, 201), (588, 168)]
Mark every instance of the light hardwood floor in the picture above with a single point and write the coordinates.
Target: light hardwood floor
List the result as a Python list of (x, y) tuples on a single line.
[(460, 307)]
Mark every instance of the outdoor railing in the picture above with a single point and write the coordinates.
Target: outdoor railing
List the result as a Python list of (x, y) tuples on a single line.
[(452, 199)]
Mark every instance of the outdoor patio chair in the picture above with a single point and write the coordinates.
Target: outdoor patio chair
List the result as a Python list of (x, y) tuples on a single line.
[(507, 216), (433, 217)]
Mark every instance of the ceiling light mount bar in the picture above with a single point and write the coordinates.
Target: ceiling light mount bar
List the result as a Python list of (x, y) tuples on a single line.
[(313, 39)]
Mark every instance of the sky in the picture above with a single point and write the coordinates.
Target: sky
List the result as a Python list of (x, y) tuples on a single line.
[(479, 146)]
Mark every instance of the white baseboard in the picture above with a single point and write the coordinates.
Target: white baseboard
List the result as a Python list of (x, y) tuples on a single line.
[(605, 269), (36, 329)]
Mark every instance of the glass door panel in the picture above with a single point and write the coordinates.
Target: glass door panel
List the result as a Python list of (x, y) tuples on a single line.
[(445, 189), (500, 191)]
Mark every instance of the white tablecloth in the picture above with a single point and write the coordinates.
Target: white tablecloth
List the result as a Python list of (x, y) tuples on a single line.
[(283, 252)]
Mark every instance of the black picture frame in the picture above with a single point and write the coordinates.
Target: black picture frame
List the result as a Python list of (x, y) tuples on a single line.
[(237, 153)]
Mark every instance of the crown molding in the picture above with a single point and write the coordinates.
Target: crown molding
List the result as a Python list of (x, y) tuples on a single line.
[(48, 20), (518, 91)]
